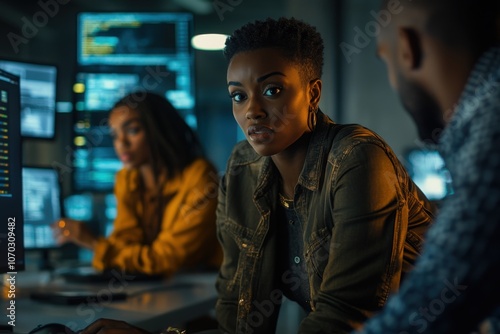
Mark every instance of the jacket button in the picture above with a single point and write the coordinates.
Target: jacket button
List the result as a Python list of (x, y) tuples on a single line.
[(297, 259), (241, 301), (244, 245)]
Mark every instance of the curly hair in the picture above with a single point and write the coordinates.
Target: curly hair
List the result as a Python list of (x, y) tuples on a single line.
[(300, 42)]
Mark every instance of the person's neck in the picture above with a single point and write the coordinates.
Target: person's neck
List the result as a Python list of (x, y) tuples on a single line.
[(150, 181), (290, 163), (455, 70)]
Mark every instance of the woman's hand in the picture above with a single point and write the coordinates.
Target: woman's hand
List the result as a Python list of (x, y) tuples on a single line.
[(108, 326), (69, 230)]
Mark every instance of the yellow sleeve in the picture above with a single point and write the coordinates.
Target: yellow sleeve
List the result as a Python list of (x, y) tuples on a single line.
[(187, 237)]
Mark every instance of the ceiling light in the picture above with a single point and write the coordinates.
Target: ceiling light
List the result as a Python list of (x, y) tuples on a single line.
[(209, 41), (200, 7)]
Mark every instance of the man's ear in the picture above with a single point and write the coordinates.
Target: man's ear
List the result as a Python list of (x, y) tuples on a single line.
[(410, 48), (315, 91)]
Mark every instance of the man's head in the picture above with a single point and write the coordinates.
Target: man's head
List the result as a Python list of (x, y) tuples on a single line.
[(430, 47)]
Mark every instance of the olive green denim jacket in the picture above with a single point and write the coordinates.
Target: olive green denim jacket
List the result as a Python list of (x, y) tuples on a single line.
[(363, 225)]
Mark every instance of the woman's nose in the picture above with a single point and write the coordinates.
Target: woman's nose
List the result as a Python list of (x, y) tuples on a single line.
[(255, 111), (121, 141)]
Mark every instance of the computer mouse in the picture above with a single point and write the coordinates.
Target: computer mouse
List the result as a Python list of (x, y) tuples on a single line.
[(52, 328)]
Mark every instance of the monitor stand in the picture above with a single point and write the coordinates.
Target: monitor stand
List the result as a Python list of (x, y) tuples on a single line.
[(44, 263)]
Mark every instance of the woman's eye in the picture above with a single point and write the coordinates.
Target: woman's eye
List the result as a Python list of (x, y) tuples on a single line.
[(272, 91), (133, 130), (237, 97)]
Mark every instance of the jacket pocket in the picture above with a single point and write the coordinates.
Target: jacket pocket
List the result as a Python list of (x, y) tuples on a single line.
[(237, 241)]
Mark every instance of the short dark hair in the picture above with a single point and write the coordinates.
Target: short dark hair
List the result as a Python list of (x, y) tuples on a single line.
[(300, 42), (467, 24), (173, 144)]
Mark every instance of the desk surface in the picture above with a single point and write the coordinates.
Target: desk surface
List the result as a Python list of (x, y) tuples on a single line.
[(149, 305)]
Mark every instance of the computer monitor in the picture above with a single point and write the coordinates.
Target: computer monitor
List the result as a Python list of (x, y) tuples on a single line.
[(79, 207), (38, 97), (133, 38), (42, 206), (110, 207), (120, 53), (95, 168), (426, 168), (11, 198), (100, 91), (155, 47)]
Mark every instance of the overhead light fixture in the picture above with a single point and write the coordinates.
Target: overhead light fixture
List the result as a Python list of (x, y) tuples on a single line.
[(209, 41), (200, 7)]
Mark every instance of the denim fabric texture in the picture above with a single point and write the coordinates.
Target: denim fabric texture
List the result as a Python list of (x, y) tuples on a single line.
[(363, 220)]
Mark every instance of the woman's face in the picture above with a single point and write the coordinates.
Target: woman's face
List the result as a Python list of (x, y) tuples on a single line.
[(129, 137), (270, 99)]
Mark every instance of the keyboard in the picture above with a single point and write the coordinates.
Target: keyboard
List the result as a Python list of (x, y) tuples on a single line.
[(88, 274)]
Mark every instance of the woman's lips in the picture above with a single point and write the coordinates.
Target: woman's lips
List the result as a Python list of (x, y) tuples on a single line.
[(125, 157), (259, 133)]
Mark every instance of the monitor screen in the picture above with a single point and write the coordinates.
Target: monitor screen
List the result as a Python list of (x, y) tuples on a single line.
[(38, 97), (426, 168), (133, 38), (110, 207), (95, 168), (42, 206), (79, 207), (100, 91), (11, 200), (120, 53)]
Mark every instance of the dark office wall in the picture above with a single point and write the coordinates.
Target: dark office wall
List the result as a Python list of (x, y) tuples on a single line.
[(367, 96)]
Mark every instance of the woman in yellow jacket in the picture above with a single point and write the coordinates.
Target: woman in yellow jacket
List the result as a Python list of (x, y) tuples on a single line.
[(166, 194)]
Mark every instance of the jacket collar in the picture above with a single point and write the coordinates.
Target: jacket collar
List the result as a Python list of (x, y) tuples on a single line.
[(317, 152)]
